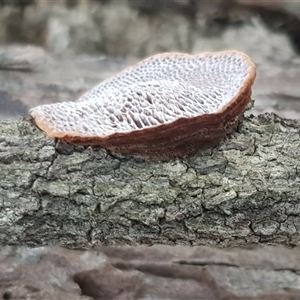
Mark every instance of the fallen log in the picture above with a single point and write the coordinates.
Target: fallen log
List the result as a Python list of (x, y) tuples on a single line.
[(245, 191), (158, 272)]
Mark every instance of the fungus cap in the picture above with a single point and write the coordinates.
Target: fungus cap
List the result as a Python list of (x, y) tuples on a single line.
[(168, 105)]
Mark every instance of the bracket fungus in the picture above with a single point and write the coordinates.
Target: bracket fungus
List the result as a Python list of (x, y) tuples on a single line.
[(168, 105)]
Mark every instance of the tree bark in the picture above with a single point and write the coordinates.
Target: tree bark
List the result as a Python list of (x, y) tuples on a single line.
[(245, 191)]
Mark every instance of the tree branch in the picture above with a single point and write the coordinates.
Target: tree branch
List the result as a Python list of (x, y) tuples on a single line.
[(245, 191)]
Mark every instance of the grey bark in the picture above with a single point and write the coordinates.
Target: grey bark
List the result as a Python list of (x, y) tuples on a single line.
[(245, 191)]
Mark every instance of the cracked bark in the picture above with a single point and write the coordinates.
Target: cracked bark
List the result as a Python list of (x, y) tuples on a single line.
[(245, 191)]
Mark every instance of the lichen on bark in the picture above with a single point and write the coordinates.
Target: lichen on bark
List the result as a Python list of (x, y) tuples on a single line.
[(246, 190)]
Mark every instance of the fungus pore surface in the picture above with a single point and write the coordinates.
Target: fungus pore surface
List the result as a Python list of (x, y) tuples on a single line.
[(168, 105)]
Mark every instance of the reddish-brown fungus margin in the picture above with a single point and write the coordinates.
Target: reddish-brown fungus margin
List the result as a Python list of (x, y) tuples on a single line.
[(168, 105)]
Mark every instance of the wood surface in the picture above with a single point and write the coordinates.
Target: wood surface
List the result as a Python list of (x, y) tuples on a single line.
[(245, 191)]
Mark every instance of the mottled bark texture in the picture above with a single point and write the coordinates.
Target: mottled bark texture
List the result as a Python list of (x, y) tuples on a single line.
[(143, 273), (245, 191)]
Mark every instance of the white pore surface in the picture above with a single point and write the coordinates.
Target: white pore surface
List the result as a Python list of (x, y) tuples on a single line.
[(159, 90)]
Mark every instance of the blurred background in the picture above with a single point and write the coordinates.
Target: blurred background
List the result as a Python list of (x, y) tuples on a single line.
[(52, 51)]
